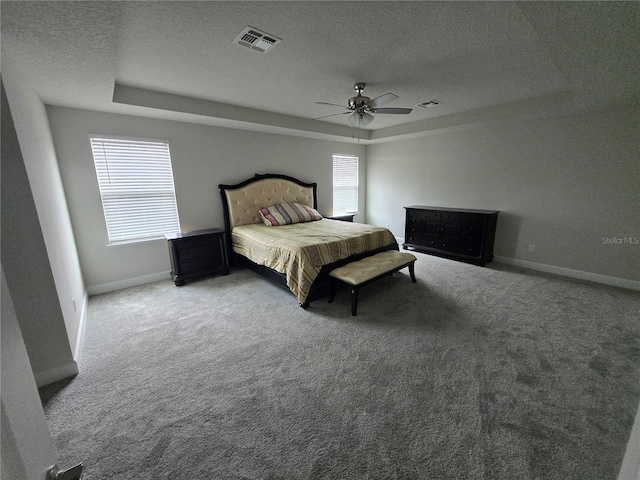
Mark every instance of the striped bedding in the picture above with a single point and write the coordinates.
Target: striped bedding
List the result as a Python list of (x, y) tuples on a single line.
[(301, 250)]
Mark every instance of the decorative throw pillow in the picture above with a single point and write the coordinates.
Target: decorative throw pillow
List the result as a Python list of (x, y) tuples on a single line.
[(288, 213)]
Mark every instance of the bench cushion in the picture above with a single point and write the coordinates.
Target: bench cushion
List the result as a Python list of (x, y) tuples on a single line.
[(361, 271)]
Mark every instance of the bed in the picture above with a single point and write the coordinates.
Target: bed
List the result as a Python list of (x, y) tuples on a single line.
[(297, 256)]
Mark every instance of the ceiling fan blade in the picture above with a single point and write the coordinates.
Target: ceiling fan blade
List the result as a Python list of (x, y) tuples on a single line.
[(381, 100), (332, 115), (332, 104), (391, 110)]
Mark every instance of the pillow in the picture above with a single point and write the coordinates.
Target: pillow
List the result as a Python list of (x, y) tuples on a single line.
[(288, 213)]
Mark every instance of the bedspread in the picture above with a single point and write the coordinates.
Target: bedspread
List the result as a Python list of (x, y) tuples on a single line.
[(301, 250)]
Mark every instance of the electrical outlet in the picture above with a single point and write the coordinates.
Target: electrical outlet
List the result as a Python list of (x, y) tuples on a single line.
[(532, 247)]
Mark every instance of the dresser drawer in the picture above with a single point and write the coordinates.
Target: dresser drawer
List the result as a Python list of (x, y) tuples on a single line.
[(416, 237), (469, 248), (421, 215)]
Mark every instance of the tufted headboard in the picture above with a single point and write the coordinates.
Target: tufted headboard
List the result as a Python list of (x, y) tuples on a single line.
[(242, 201)]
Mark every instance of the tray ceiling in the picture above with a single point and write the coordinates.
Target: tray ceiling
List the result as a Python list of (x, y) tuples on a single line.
[(178, 60)]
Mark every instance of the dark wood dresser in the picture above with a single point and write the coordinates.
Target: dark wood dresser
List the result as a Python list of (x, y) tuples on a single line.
[(198, 253), (460, 234)]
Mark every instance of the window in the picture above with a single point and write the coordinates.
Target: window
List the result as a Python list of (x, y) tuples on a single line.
[(136, 186), (345, 184)]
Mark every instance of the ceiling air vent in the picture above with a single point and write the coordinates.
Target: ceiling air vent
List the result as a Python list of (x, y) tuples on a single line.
[(428, 104), (256, 40)]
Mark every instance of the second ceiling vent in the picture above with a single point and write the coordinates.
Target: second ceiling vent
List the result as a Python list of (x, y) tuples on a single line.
[(256, 40)]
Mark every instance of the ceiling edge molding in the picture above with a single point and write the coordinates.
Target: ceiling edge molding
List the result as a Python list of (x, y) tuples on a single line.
[(233, 116), (552, 104), (195, 110)]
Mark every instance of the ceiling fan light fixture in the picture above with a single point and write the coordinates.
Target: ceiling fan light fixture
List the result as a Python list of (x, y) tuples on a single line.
[(362, 107), (360, 119)]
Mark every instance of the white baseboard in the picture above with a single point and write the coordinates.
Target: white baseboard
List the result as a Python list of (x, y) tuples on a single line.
[(129, 282), (567, 272), (630, 469), (52, 375)]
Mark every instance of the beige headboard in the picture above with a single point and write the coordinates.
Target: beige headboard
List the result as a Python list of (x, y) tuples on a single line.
[(241, 202)]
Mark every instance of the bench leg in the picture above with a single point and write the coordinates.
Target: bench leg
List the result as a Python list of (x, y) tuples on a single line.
[(334, 289), (354, 301), (412, 271)]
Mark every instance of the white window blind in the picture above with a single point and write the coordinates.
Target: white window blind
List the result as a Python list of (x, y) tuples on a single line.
[(345, 184), (136, 186)]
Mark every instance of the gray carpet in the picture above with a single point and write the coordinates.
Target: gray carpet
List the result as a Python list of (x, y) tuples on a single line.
[(472, 373)]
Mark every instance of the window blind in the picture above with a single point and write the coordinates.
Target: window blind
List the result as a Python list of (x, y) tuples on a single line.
[(136, 186), (345, 184)]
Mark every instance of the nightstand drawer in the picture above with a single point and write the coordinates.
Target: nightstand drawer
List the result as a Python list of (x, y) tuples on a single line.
[(202, 266), (190, 253)]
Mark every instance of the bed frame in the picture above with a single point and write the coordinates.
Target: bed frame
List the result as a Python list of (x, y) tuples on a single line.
[(240, 204)]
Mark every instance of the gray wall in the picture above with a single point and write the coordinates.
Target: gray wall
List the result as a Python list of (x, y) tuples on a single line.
[(27, 446), (561, 184), (202, 157), (38, 251)]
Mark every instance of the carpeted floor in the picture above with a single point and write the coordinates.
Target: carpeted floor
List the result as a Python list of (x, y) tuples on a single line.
[(472, 373)]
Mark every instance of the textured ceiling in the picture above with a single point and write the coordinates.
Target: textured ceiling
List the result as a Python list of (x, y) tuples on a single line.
[(177, 60)]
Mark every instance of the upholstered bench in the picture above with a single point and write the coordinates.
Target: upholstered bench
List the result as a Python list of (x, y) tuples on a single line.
[(369, 269)]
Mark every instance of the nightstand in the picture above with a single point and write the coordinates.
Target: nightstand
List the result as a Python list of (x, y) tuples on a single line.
[(344, 218), (198, 253)]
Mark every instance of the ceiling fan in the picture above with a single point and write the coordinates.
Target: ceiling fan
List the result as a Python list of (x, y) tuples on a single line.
[(361, 107)]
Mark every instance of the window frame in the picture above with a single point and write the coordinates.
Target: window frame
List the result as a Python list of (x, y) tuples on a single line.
[(160, 216)]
